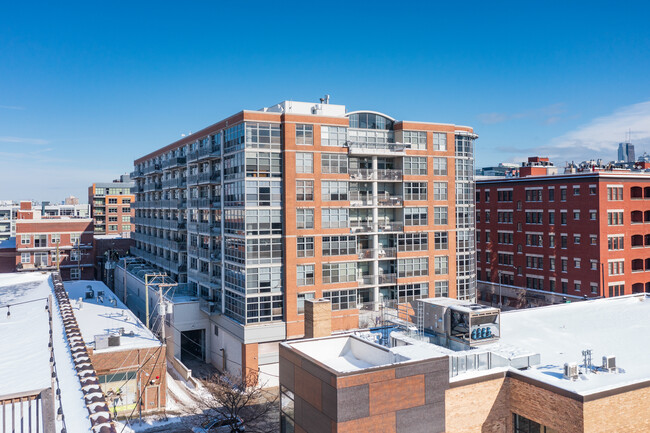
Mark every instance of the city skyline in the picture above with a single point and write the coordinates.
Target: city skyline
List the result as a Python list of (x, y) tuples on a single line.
[(85, 90)]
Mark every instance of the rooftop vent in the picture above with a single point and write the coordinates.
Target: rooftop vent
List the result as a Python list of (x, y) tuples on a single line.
[(609, 363), (571, 370)]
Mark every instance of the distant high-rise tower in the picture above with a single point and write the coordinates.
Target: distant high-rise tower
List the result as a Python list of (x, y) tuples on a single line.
[(626, 152)]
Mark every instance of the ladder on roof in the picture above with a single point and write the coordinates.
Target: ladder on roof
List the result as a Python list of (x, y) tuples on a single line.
[(419, 317)]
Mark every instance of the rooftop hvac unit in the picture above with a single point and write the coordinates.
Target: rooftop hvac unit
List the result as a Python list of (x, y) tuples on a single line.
[(113, 340), (609, 363), (101, 342), (571, 370)]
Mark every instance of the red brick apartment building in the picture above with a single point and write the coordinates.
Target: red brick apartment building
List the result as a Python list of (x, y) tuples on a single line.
[(583, 233), (266, 209), (40, 240), (111, 205)]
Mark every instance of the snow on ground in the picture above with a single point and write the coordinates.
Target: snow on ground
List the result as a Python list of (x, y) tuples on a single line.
[(613, 326)]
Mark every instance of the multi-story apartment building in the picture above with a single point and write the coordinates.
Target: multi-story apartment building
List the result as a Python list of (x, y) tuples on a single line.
[(8, 212), (580, 233), (112, 207), (41, 241), (266, 209)]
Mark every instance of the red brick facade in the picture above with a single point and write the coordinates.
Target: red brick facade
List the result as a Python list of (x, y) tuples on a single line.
[(599, 221)]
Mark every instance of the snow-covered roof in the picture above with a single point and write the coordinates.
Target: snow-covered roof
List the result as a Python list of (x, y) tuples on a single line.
[(106, 314), (24, 338), (617, 327)]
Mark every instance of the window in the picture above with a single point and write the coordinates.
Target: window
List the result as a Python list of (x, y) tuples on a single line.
[(305, 134), (505, 217), (551, 217), (415, 267), (440, 166), (25, 258), (261, 193), (563, 218), (258, 135), (576, 191), (25, 239), (563, 194), (415, 190), (535, 262), (534, 217), (565, 264), (126, 210), (441, 240), (439, 141), (305, 246), (487, 216), (441, 265), (333, 136), (304, 162), (75, 273), (413, 241), (577, 285), (75, 255), (334, 218), (576, 239), (440, 215), (505, 238), (126, 201), (263, 251), (342, 299), (305, 218), (440, 190), (334, 190), (616, 289), (441, 288), (615, 218), (409, 292), (616, 267), (334, 163), (305, 275), (304, 190), (614, 193), (75, 238), (301, 301), (615, 242), (551, 194), (551, 264), (504, 195), (564, 241), (594, 288), (112, 219), (339, 245), (112, 227), (417, 139), (593, 239), (339, 272), (576, 215), (417, 165), (126, 219), (112, 210), (416, 216), (263, 280), (576, 263), (551, 241), (112, 201), (533, 195), (55, 238), (593, 215)]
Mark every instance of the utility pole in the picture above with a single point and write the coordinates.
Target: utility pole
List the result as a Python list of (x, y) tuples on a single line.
[(146, 290), (58, 259)]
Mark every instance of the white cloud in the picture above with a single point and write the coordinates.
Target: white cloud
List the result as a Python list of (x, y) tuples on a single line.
[(603, 134), (23, 140)]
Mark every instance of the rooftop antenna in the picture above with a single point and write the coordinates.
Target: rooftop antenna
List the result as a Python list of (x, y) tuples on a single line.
[(586, 354)]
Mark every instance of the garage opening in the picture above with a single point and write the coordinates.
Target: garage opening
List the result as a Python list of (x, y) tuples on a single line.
[(192, 346)]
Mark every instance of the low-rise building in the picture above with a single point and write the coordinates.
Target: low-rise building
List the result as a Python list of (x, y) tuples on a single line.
[(461, 367)]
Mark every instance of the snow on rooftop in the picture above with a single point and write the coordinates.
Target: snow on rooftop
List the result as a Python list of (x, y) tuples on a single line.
[(613, 326), (24, 341), (106, 314)]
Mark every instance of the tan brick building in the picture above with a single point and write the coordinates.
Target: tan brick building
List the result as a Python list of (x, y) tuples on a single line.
[(426, 382)]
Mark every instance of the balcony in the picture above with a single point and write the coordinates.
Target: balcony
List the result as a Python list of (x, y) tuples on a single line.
[(367, 280), (361, 199), (174, 162), (390, 226), (386, 253), (366, 253), (200, 203), (362, 174), (193, 179), (152, 186), (210, 306), (361, 227), (387, 200), (386, 279), (192, 156), (209, 152), (389, 149), (178, 182), (136, 174)]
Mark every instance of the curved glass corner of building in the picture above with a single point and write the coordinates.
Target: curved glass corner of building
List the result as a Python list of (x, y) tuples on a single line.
[(465, 224)]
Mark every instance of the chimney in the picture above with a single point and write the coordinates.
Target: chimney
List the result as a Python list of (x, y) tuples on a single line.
[(318, 318)]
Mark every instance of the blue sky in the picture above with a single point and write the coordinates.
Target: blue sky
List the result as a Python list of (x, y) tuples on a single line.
[(85, 88)]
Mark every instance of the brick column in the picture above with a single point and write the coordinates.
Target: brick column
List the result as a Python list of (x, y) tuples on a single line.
[(318, 318)]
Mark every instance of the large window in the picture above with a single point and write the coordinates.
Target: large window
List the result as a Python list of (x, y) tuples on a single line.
[(304, 190), (441, 288), (339, 245), (439, 141), (264, 308), (304, 162), (263, 164), (263, 135), (263, 280), (413, 241), (258, 222), (263, 193), (339, 273), (409, 292), (615, 218), (333, 136), (417, 139), (614, 193), (414, 267), (334, 218), (334, 190), (305, 275), (305, 134), (304, 218), (415, 165), (441, 265), (440, 190), (415, 216), (305, 246), (262, 251), (415, 190), (334, 163), (441, 240), (440, 216), (440, 166), (342, 299)]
